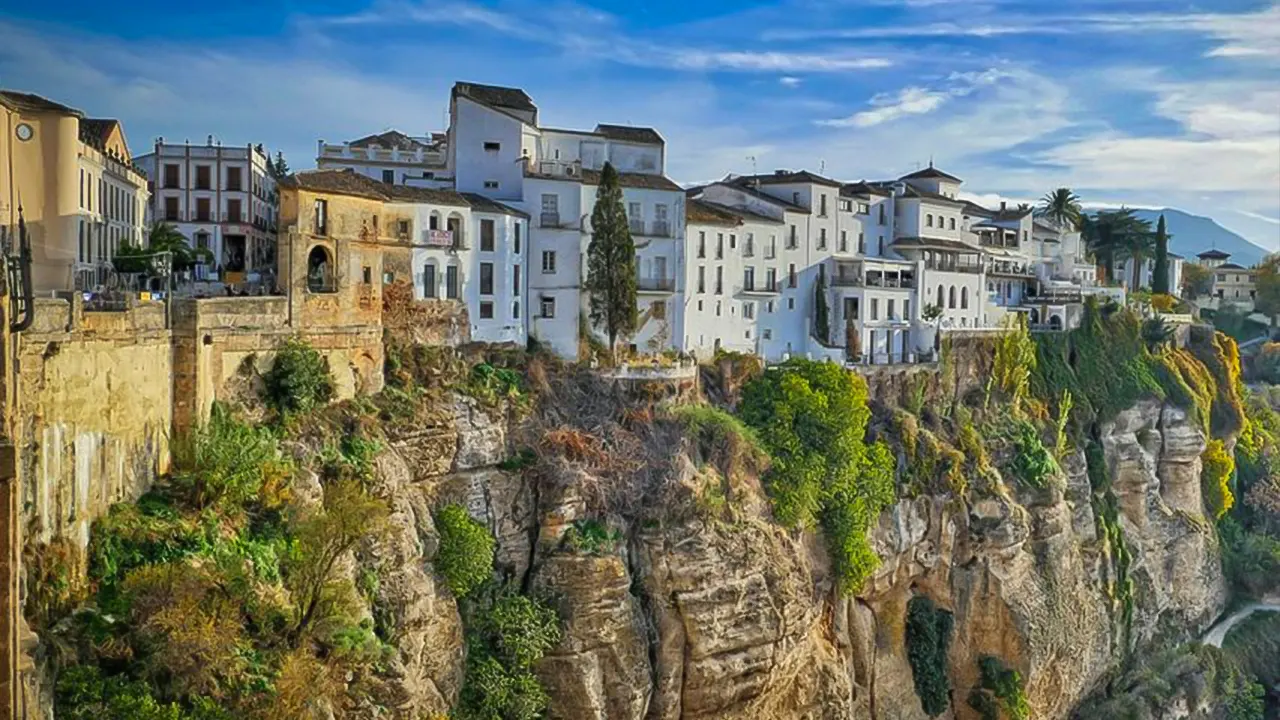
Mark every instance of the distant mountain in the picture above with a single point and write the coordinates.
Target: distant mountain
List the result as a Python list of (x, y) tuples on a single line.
[(1193, 234)]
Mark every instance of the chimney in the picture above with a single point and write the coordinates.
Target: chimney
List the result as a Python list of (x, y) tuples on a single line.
[(1002, 205), (209, 141)]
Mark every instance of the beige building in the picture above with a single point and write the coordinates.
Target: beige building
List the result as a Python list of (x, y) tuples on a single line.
[(75, 182), (1234, 284)]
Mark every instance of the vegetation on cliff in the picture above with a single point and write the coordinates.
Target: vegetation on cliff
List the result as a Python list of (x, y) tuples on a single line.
[(928, 637)]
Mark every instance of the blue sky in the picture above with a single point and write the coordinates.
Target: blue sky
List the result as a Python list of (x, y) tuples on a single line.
[(1142, 102)]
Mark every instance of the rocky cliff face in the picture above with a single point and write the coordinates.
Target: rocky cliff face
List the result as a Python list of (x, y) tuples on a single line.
[(704, 615)]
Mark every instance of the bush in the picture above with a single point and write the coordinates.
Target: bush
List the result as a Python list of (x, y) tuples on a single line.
[(1032, 462), (812, 418), (299, 379), (492, 385), (722, 438), (1003, 686), (227, 460), (591, 537), (465, 555), (1251, 559), (506, 636), (1215, 479), (928, 640)]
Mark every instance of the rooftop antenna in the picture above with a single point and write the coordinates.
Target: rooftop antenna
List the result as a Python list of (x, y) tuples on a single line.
[(822, 167), (752, 158)]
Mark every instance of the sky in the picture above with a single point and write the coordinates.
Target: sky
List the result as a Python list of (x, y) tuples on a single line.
[(1148, 103)]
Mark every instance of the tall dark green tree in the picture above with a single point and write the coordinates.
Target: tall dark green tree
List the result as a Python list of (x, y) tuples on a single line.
[(278, 169), (611, 262), (1160, 274), (821, 312)]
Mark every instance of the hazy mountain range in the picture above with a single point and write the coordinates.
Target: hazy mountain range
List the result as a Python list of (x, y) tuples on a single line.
[(1191, 235)]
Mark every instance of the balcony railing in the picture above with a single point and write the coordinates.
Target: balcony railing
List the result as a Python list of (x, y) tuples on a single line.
[(971, 268), (661, 228), (873, 280), (419, 155), (656, 284), (753, 288), (549, 220), (636, 226), (655, 228)]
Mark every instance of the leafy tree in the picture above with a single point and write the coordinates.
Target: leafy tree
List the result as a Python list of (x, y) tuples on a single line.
[(298, 379), (611, 262), (1160, 274), (226, 459), (928, 637), (1215, 479), (1268, 283), (1117, 234), (1062, 206), (164, 237), (821, 313), (506, 636), (1197, 281), (465, 556), (130, 258)]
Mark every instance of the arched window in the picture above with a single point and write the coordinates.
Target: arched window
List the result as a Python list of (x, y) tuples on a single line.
[(1055, 322), (433, 223), (940, 303), (430, 281), (951, 297), (928, 220), (320, 270), (964, 298), (455, 226)]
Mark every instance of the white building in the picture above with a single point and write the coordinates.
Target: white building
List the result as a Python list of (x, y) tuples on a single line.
[(113, 201), (390, 157), (222, 199), (1124, 269)]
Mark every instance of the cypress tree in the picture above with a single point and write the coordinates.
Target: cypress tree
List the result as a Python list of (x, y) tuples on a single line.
[(1160, 275), (821, 319), (611, 262)]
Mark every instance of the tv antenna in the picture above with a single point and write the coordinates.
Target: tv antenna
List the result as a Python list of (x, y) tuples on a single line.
[(752, 158)]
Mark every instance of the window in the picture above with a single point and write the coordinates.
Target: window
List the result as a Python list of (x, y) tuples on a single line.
[(517, 229), (171, 209), (749, 310), (793, 241), (864, 209), (429, 282), (941, 304), (389, 176), (882, 245), (515, 309), (234, 211), (702, 243), (791, 275), (749, 278), (1222, 277), (234, 179), (844, 241), (550, 209), (515, 281), (862, 243), (322, 217), (548, 306), (733, 241), (486, 278), (881, 213), (388, 277), (486, 310), (491, 184), (964, 298), (366, 275), (846, 205), (717, 308), (548, 262), (928, 220), (795, 198), (658, 310), (635, 216), (822, 238), (402, 228), (767, 334), (433, 222), (702, 278), (202, 209), (875, 309), (951, 222), (202, 177), (750, 249), (951, 297), (492, 147), (719, 246), (720, 280), (451, 289), (822, 205), (486, 236), (772, 251), (769, 306), (699, 306), (890, 316), (791, 303), (771, 281), (906, 309)]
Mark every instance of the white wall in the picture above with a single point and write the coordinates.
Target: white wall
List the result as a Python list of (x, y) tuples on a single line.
[(474, 126), (629, 157)]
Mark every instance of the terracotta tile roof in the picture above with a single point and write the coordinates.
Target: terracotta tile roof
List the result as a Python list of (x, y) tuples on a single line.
[(35, 103), (349, 182), (495, 95), (930, 173), (636, 180), (922, 242), (95, 131), (1214, 254), (389, 140), (701, 212), (786, 177), (480, 203), (405, 193), (627, 133)]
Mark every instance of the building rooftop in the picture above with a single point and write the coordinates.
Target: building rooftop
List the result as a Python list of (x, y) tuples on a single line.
[(1231, 266), (96, 131), (1213, 254), (930, 173), (701, 212), (784, 177), (35, 103), (348, 182), (495, 95), (628, 133), (391, 139), (914, 192), (973, 209), (756, 193), (862, 189), (935, 243), (480, 203)]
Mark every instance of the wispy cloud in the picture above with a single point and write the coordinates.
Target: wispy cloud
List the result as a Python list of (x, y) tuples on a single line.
[(915, 100), (789, 81)]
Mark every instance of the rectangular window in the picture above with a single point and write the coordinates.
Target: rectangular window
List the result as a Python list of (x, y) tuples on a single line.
[(486, 278), (515, 281), (749, 278), (702, 244), (875, 309), (234, 179), (486, 236), (548, 307), (719, 246), (822, 238), (388, 277), (486, 310), (702, 278), (844, 241), (793, 240), (202, 210), (767, 334), (771, 280), (366, 275), (891, 309), (635, 218), (791, 275), (720, 280), (171, 209), (906, 309), (491, 184), (322, 218), (749, 250), (881, 206), (451, 289), (202, 178), (749, 310), (429, 282), (234, 211), (864, 209), (548, 262), (661, 226), (402, 229), (658, 310), (517, 227), (550, 211), (822, 205), (492, 147), (862, 244), (171, 176), (515, 310)]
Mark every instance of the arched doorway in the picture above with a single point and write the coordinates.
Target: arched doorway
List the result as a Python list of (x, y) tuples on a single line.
[(320, 270), (1055, 322)]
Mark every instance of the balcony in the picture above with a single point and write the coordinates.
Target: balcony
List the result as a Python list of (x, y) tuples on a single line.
[(418, 156), (554, 168), (970, 268), (442, 239), (1011, 268), (655, 228), (636, 226), (549, 220), (765, 288), (656, 285)]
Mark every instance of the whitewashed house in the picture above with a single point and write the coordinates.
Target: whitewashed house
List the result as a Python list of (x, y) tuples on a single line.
[(390, 157)]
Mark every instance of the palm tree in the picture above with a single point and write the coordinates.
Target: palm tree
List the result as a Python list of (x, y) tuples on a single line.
[(1134, 241), (1117, 234), (1062, 206), (166, 238)]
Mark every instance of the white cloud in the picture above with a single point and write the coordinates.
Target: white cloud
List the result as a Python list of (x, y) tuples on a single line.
[(915, 100), (789, 81), (1259, 216), (696, 59)]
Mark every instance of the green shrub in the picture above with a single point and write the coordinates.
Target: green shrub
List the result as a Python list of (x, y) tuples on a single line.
[(591, 537), (524, 458), (1004, 686), (1251, 559), (82, 692), (465, 555), (1032, 462), (1215, 478), (928, 640), (1254, 645), (492, 385), (722, 438), (352, 457), (146, 533), (227, 460), (812, 419), (298, 380), (506, 636)]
